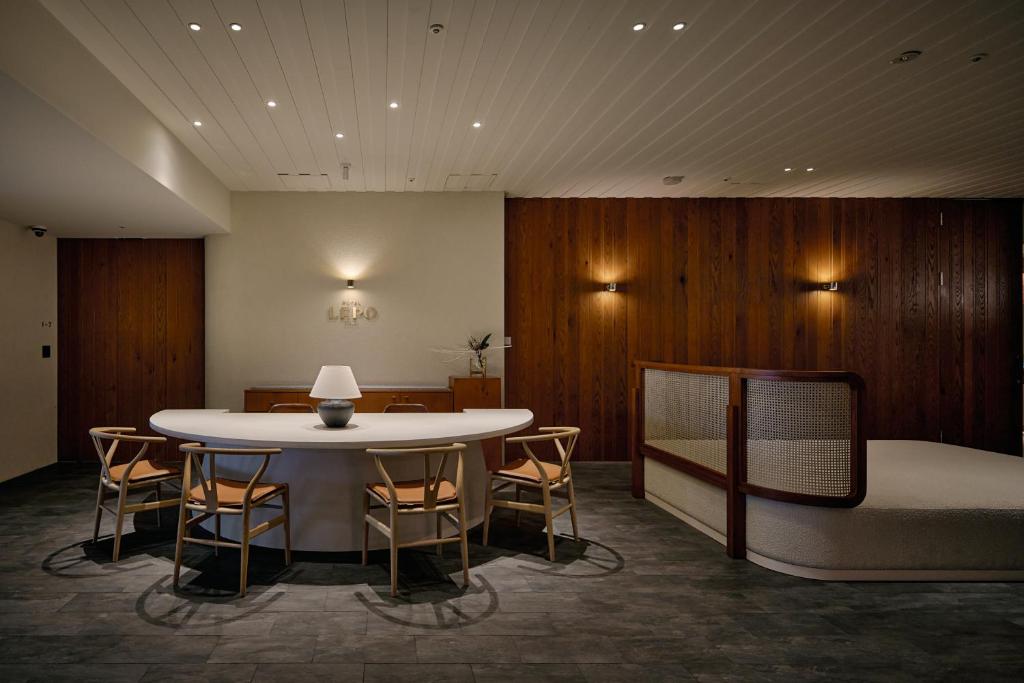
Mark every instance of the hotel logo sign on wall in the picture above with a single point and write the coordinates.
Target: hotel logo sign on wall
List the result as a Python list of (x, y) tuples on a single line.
[(350, 312)]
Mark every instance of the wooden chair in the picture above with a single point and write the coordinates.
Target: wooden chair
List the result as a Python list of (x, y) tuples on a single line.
[(532, 473), (138, 473), (405, 408), (216, 496), (433, 494), (291, 408)]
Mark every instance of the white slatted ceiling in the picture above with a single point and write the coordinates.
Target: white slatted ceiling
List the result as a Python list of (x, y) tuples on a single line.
[(572, 101)]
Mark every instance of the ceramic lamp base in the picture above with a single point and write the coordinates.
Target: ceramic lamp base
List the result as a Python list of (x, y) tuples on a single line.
[(335, 412)]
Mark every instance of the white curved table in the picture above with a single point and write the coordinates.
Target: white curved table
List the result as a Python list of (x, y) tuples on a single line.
[(327, 469)]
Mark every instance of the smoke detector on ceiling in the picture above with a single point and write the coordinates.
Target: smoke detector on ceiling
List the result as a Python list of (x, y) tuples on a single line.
[(436, 28), (979, 57), (904, 57), (672, 179)]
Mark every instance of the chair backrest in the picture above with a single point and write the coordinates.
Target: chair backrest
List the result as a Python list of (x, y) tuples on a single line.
[(194, 453), (291, 408), (564, 440), (101, 436), (431, 481), (405, 408)]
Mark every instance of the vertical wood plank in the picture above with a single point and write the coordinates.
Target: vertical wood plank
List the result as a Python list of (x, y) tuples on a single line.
[(736, 282)]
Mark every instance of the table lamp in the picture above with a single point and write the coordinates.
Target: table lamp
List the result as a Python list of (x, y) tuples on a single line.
[(335, 383)]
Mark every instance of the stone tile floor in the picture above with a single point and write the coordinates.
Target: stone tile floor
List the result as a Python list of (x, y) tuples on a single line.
[(642, 598)]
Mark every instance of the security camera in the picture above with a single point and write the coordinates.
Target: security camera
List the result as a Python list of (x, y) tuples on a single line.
[(38, 230), (436, 28)]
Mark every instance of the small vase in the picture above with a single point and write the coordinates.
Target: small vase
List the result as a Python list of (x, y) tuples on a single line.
[(478, 366)]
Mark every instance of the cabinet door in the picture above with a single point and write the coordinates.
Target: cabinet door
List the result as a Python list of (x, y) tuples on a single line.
[(375, 400), (435, 401), (258, 401)]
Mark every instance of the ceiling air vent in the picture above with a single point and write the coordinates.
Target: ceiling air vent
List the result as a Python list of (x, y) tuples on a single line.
[(469, 181)]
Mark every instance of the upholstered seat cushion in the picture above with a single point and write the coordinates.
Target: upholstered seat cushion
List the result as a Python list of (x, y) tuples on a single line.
[(411, 492), (524, 468), (143, 470), (230, 492)]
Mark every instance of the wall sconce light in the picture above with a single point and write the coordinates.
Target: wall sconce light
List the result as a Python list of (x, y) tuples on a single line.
[(830, 286), (612, 287), (351, 284)]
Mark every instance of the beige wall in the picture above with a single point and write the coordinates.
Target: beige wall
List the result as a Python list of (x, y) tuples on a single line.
[(432, 264), (28, 382)]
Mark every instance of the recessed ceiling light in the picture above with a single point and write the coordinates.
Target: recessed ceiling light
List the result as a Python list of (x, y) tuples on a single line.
[(339, 135), (271, 103), (393, 105), (197, 124), (786, 170), (639, 26), (477, 124), (679, 26), (194, 26), (235, 26), (810, 169)]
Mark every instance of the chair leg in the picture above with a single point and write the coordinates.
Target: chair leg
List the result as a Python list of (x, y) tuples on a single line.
[(216, 534), (122, 499), (463, 543), (287, 528), (243, 579), (394, 550), (519, 513), (549, 522), (440, 553), (487, 510), (99, 512), (179, 542), (158, 525), (366, 526), (572, 512)]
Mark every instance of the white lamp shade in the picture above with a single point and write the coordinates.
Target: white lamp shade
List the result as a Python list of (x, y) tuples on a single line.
[(335, 381)]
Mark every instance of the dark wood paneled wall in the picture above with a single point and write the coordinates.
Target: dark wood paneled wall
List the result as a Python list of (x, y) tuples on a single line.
[(928, 310), (131, 335)]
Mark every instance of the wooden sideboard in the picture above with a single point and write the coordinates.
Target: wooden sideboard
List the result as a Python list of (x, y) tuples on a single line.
[(374, 399), (460, 394)]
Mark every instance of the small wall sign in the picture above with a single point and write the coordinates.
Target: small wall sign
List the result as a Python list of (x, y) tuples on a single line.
[(349, 312)]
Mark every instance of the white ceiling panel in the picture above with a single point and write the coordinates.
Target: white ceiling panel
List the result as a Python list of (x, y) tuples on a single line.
[(572, 102)]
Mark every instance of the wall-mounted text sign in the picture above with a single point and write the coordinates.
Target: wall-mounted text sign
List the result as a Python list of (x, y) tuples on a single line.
[(349, 312)]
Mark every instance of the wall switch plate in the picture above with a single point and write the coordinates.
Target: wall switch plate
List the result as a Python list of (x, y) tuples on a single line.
[(46, 350)]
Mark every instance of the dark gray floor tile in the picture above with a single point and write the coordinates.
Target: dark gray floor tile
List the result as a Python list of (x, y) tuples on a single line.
[(199, 673), (33, 603), (509, 624), (287, 624), (528, 673), (45, 649), (567, 648), (332, 672), (651, 672), (155, 649), (465, 648), (259, 649), (418, 673), (366, 649), (72, 673)]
